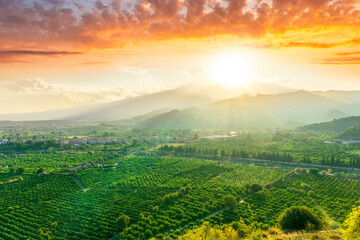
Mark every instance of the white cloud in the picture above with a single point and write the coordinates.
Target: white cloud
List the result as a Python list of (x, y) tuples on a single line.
[(37, 86), (28, 85)]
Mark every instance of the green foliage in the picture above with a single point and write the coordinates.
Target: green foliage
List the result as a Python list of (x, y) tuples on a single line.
[(337, 196), (314, 171), (12, 170), (254, 188), (246, 175), (256, 235), (122, 221), (128, 198), (208, 232), (352, 224), (40, 170), (20, 170), (241, 228), (230, 201), (352, 133), (53, 162), (300, 218), (311, 148)]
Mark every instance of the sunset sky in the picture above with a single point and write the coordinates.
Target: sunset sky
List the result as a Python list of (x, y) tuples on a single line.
[(60, 53)]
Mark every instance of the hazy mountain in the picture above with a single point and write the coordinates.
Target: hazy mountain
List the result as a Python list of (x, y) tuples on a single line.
[(147, 116), (197, 109), (336, 126), (332, 114), (210, 119), (278, 110), (131, 107)]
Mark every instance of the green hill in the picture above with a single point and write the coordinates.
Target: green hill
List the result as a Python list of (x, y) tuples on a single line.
[(335, 126), (352, 133)]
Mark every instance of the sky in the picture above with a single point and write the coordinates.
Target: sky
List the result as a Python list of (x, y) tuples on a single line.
[(59, 53)]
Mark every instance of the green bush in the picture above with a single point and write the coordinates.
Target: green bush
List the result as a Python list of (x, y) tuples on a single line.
[(300, 218), (254, 188), (314, 171), (229, 201), (352, 224)]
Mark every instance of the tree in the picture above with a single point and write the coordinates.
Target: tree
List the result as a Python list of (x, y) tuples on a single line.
[(300, 218), (122, 221), (352, 224), (155, 209), (135, 143), (241, 228), (12, 170), (314, 171), (40, 170), (254, 188), (20, 170), (208, 232), (230, 201)]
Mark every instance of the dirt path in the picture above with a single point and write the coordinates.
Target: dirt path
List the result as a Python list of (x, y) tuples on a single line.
[(219, 211), (209, 216), (78, 182)]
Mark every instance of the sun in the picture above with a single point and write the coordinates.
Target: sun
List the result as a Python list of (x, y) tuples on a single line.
[(231, 70)]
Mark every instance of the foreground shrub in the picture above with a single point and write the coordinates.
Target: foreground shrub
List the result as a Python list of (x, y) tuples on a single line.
[(208, 232), (300, 218), (352, 224)]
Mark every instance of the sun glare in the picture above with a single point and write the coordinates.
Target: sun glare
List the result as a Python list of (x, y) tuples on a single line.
[(231, 70)]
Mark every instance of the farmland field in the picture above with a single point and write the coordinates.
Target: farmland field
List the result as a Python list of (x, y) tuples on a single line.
[(160, 197)]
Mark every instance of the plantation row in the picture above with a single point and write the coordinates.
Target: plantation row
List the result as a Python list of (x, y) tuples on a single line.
[(159, 196), (335, 197), (216, 154), (51, 162)]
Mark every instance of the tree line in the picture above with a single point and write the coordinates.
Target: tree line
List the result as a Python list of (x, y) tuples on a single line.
[(215, 153)]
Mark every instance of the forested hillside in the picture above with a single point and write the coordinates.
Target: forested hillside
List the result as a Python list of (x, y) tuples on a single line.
[(335, 126), (352, 133)]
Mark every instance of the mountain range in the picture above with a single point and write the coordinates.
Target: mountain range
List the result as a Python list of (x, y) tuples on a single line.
[(121, 109), (277, 110), (185, 107)]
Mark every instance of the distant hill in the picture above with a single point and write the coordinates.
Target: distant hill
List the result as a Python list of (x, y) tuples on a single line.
[(352, 133), (332, 114), (147, 116), (197, 109), (210, 119), (127, 108), (278, 110), (335, 126)]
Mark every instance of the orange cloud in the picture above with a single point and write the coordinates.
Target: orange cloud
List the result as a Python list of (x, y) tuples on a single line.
[(9, 56), (342, 61), (71, 26), (343, 58)]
